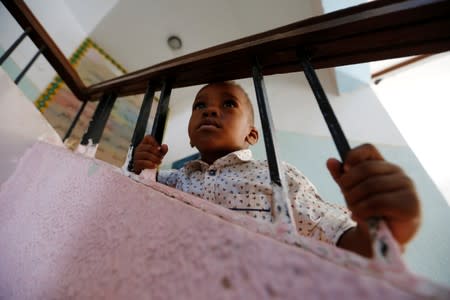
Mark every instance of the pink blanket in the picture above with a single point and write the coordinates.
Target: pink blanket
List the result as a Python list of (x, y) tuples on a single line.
[(75, 227)]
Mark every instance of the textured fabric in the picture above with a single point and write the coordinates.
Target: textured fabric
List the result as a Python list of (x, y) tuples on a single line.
[(85, 231), (238, 182)]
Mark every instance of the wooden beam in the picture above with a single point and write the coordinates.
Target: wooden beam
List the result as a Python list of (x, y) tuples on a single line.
[(373, 31), (399, 65)]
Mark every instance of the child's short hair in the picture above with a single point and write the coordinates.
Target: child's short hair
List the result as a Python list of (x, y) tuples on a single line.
[(233, 83)]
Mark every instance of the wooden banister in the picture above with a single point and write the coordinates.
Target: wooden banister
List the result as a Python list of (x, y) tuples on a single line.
[(374, 32), (20, 11), (377, 30), (399, 65)]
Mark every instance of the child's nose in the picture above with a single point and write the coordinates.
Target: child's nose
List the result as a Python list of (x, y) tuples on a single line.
[(210, 112)]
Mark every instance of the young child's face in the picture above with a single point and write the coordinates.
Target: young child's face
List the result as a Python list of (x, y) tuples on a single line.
[(220, 121)]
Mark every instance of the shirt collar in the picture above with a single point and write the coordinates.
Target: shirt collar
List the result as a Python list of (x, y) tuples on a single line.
[(232, 158)]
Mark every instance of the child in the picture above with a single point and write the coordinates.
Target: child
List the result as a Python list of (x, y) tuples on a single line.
[(221, 128)]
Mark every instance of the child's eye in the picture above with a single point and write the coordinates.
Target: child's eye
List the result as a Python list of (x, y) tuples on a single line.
[(198, 105), (229, 103)]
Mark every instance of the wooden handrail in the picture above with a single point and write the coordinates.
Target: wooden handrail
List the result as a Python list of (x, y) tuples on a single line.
[(374, 32), (399, 65), (23, 15), (377, 30)]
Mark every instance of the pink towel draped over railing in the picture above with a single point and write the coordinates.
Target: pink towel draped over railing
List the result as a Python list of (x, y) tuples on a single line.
[(75, 227)]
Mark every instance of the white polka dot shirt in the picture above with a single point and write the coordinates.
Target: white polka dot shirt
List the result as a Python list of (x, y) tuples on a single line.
[(238, 182)]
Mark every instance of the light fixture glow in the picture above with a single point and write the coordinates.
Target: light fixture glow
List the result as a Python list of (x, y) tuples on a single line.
[(174, 42)]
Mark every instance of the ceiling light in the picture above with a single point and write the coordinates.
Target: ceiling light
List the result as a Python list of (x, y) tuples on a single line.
[(174, 42)]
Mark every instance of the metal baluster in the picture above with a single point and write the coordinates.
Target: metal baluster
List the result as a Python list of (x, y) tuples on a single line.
[(98, 122), (75, 121), (159, 124), (282, 211), (141, 124), (14, 45), (327, 111), (28, 66), (379, 246)]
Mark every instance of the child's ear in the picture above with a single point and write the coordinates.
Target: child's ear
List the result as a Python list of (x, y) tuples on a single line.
[(252, 136)]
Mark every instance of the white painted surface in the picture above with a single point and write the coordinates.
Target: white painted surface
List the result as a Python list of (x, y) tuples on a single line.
[(90, 13), (135, 32), (352, 77), (333, 5), (21, 125), (418, 102)]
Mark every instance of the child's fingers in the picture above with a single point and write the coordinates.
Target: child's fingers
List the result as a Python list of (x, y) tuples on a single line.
[(391, 205), (375, 185), (396, 208), (139, 165), (361, 153), (150, 149), (366, 169), (375, 188), (148, 156), (164, 149), (335, 168), (400, 207), (149, 140), (149, 144)]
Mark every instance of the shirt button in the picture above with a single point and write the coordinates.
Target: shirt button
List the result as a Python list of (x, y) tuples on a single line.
[(212, 172)]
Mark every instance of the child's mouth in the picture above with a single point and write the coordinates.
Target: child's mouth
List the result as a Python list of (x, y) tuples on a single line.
[(208, 124)]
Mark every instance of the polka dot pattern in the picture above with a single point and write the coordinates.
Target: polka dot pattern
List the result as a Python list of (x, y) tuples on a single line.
[(238, 182)]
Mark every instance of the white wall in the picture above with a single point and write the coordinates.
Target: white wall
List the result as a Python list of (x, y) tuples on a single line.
[(417, 99), (21, 125), (90, 13)]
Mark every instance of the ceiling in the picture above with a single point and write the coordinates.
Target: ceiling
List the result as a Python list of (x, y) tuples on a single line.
[(135, 32)]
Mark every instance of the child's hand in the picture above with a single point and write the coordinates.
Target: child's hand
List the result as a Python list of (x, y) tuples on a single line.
[(148, 154), (373, 187)]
